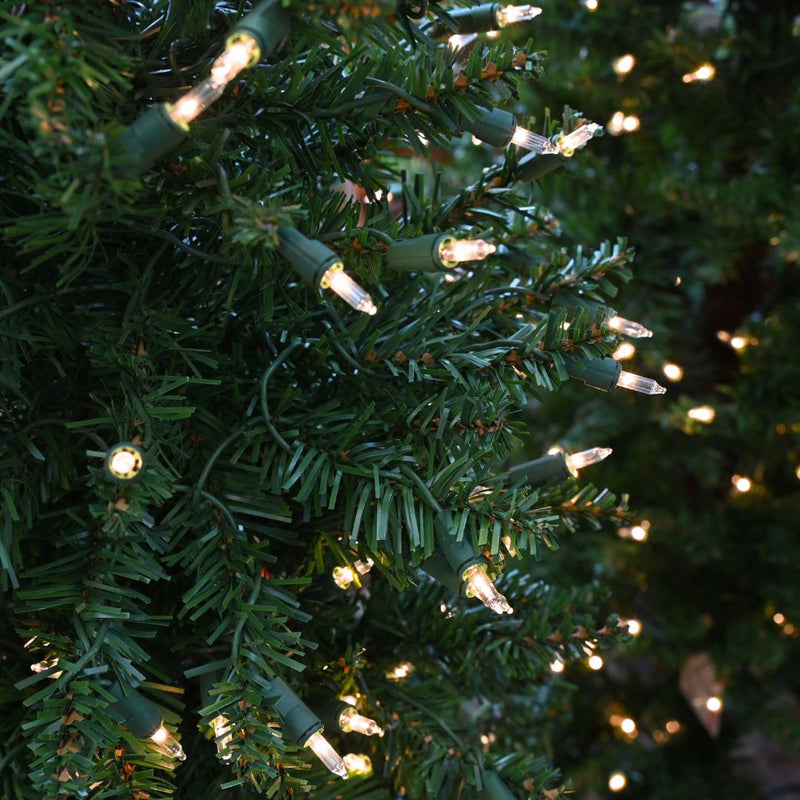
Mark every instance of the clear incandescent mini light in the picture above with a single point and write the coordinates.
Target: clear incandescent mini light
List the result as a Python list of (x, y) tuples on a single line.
[(167, 744), (358, 764), (606, 374), (320, 266), (557, 466), (638, 383), (351, 720), (124, 462), (480, 585), (487, 18), (223, 736), (466, 250), (435, 252), (499, 128), (508, 15), (568, 143), (534, 142), (241, 51), (628, 328), (326, 754), (587, 457)]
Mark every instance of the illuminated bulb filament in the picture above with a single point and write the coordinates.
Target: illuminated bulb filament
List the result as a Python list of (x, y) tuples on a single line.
[(351, 721), (571, 141), (459, 40), (241, 53), (357, 763), (511, 14), (338, 281), (326, 754), (123, 462), (223, 735), (343, 577), (701, 414), (627, 328), (364, 567), (465, 250), (532, 141), (167, 744), (636, 383), (479, 585), (586, 457)]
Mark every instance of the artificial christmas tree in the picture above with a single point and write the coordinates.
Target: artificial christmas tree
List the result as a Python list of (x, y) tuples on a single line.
[(201, 444)]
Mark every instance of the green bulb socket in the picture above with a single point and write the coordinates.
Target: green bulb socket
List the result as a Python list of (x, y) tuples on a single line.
[(477, 19), (422, 254), (440, 570), (536, 165), (459, 554), (491, 125), (551, 468), (151, 136), (141, 717), (309, 258), (495, 788), (299, 721), (267, 23), (599, 373)]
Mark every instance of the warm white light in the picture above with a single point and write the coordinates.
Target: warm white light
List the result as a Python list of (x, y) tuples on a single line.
[(617, 781), (363, 567), (596, 663), (624, 64), (166, 743), (46, 664), (532, 141), (628, 328), (631, 123), (625, 351), (739, 342), (634, 626), (673, 726), (457, 250), (704, 72), (701, 414), (777, 618), (479, 585), (326, 754), (742, 483), (557, 665), (357, 764), (639, 533), (223, 736), (567, 144), (123, 462), (673, 372), (343, 577), (351, 720), (615, 124), (511, 14), (591, 5), (587, 457), (628, 726), (338, 281), (459, 40), (401, 671), (714, 705), (636, 383)]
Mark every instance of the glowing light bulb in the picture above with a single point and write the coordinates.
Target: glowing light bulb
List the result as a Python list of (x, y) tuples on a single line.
[(639, 533), (465, 249), (511, 14), (673, 726), (742, 483), (357, 764), (242, 52), (624, 64), (533, 141), (636, 383), (591, 5), (568, 143), (628, 328), (634, 625), (479, 585), (705, 72), (167, 744), (777, 618), (595, 663), (628, 726), (351, 720), (617, 781), (625, 351), (363, 567), (701, 414), (338, 281), (672, 372), (714, 705), (587, 457), (459, 40), (557, 665), (223, 736), (615, 125), (123, 461), (326, 754), (631, 123), (343, 577), (400, 672), (46, 664)]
